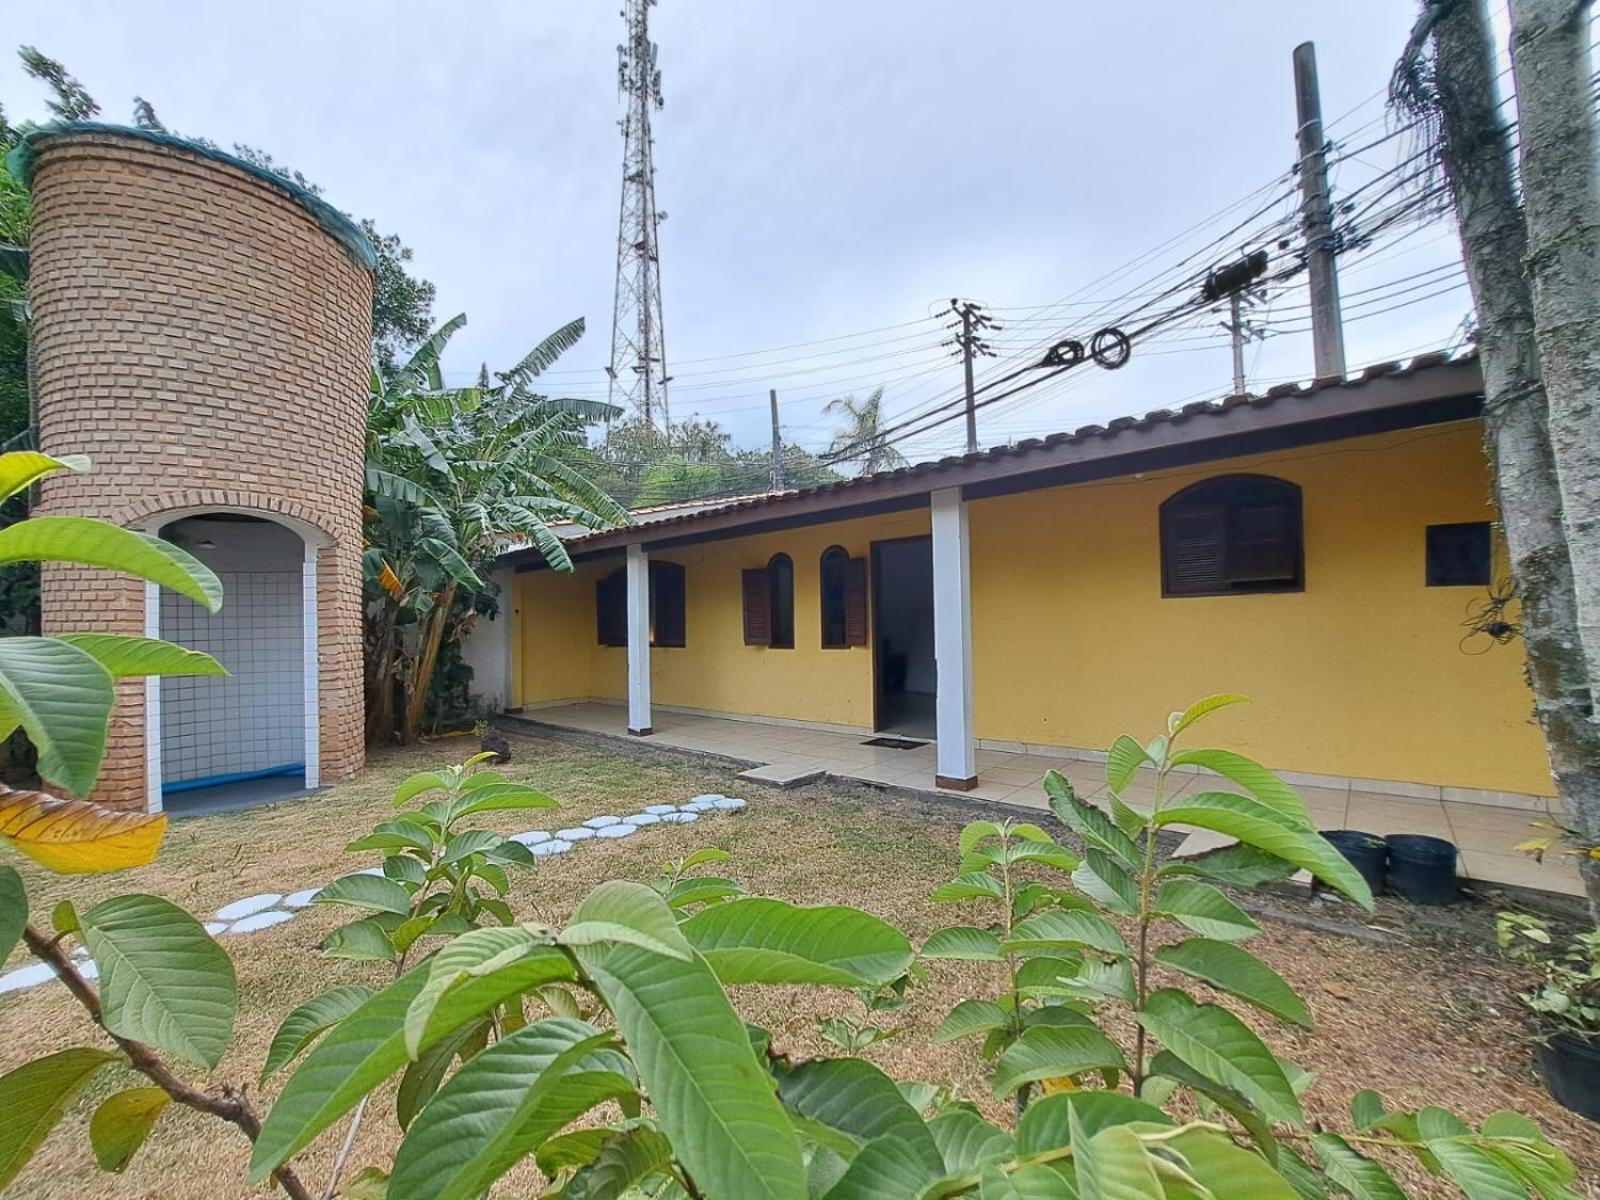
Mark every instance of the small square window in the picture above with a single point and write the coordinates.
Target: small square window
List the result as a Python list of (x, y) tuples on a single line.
[(1459, 555)]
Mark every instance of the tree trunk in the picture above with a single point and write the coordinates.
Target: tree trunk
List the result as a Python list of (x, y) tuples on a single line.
[(421, 674), (1550, 58), (380, 678), (1477, 159)]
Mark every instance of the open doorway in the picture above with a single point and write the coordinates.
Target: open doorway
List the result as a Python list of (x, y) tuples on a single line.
[(902, 611)]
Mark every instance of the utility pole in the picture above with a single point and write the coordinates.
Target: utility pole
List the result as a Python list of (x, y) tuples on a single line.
[(638, 367), (1236, 328), (970, 323), (777, 444), (1327, 330)]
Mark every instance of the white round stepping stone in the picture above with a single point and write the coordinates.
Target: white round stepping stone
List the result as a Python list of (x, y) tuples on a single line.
[(697, 806), (532, 838), (680, 818), (728, 804), (247, 906), (602, 822), (26, 977), (215, 927), (660, 810), (704, 798), (300, 899), (262, 920), (639, 820), (553, 846), (576, 834), (618, 830)]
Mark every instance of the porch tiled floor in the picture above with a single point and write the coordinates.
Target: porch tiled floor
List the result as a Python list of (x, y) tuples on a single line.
[(779, 753)]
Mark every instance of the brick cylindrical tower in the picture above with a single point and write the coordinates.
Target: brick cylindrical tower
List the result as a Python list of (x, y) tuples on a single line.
[(202, 330)]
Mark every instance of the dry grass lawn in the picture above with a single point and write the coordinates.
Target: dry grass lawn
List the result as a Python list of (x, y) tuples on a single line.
[(1423, 1023)]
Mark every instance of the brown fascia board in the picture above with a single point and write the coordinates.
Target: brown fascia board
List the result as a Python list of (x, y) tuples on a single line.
[(1431, 390)]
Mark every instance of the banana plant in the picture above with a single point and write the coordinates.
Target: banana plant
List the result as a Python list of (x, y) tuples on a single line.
[(454, 477)]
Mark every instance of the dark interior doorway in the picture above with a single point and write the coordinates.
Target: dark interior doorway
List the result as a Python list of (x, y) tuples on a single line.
[(902, 619)]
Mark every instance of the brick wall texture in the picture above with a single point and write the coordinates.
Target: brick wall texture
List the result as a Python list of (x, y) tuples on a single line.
[(206, 343)]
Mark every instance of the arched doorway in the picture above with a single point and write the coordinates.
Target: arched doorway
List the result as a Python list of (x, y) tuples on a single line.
[(250, 737)]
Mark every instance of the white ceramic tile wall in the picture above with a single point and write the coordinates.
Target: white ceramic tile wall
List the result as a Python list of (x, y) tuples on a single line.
[(253, 719)]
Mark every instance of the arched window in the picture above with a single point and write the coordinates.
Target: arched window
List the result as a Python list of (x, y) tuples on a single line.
[(780, 593), (844, 599), (1234, 533)]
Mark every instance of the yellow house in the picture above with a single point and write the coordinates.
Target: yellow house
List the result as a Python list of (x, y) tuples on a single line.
[(1327, 550)]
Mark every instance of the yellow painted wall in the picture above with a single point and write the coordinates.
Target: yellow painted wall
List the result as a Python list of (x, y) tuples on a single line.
[(714, 669), (1362, 674)]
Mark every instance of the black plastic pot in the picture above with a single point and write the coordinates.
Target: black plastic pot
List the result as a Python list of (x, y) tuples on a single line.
[(1368, 853), (1571, 1070), (1422, 869)]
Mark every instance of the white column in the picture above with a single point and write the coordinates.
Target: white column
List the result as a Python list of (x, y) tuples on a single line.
[(638, 640), (311, 667), (952, 641), (152, 705)]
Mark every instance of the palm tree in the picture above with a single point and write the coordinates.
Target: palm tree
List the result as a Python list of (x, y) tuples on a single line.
[(861, 439), (455, 476)]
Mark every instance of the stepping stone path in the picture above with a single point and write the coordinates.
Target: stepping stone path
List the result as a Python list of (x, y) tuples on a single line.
[(267, 909)]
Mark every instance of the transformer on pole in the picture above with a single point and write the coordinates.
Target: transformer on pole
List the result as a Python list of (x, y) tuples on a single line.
[(638, 367)]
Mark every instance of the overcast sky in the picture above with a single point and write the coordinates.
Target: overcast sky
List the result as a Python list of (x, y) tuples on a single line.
[(831, 170)]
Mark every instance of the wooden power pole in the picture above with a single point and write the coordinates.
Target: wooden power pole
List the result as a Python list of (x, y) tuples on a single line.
[(777, 444), (1327, 330), (969, 326)]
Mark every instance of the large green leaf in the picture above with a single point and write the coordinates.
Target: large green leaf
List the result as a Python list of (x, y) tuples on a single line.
[(496, 796), (623, 1161), (631, 913), (966, 1141), (1168, 1065), (125, 656), (21, 467), (970, 885), (477, 953), (1123, 760), (1228, 1170), (1057, 928), (1049, 1122), (1113, 1165), (1055, 1052), (1255, 824), (1237, 972), (1357, 1174), (420, 784), (62, 698), (1217, 1044), (1261, 783), (1477, 1173), (34, 1097), (302, 1026), (970, 1017), (365, 940), (97, 543), (1179, 721), (163, 980), (1102, 877), (368, 1046), (1205, 910), (886, 1169), (13, 910), (714, 1099), (500, 1105), (1087, 821), (857, 1099), (1235, 864), (376, 893), (758, 940), (963, 942), (122, 1122)]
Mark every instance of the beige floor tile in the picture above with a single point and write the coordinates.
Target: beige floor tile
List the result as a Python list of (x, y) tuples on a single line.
[(1020, 776), (1499, 836), (1387, 815), (1517, 870)]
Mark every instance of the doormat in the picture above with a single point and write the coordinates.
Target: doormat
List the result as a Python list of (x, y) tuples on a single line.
[(890, 743)]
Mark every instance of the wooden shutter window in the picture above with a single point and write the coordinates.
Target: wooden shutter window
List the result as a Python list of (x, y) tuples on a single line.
[(757, 612), (1261, 545), (1235, 533), (780, 602), (611, 609), (1193, 546), (668, 605), (855, 602)]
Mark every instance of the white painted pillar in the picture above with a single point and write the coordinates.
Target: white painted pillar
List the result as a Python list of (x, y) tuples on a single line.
[(952, 641), (152, 705), (310, 667), (638, 576)]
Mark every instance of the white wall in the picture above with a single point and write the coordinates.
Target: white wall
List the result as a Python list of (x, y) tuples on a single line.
[(487, 650), (254, 718)]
